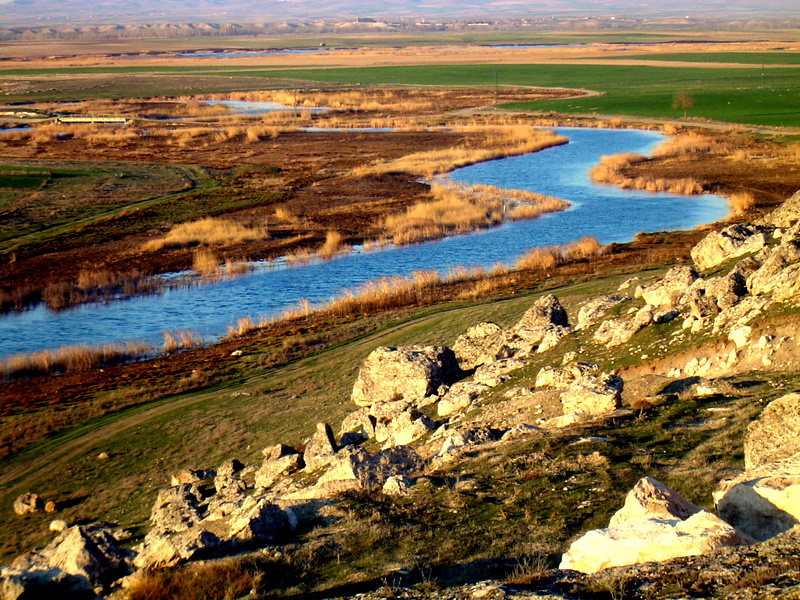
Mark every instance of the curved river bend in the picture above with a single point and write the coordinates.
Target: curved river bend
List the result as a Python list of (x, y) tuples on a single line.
[(609, 214)]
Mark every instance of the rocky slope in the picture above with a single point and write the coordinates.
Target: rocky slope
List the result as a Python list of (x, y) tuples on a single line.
[(436, 422)]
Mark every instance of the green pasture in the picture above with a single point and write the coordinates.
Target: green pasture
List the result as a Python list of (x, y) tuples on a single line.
[(743, 58), (730, 95), (752, 96)]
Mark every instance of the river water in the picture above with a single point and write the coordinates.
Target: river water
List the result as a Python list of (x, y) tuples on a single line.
[(609, 214)]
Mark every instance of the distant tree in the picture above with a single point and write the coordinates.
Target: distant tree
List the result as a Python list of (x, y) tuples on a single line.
[(682, 100)]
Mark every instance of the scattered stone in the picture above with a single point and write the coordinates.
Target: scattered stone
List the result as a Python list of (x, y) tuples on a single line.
[(28, 503), (406, 427), (411, 373), (257, 519), (44, 584), (775, 435), (161, 549), (229, 468), (177, 508), (50, 506), (779, 276), (740, 336), (58, 525), (787, 214), (359, 422), (103, 456), (397, 485), (615, 332)]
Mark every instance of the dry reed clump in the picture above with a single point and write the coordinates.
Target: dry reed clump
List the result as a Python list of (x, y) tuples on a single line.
[(691, 143), (333, 245), (496, 142), (740, 202), (72, 359), (183, 339), (610, 171), (205, 262), (208, 231), (96, 286), (547, 257), (460, 208)]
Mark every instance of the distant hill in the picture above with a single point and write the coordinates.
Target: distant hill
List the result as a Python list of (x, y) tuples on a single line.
[(59, 12)]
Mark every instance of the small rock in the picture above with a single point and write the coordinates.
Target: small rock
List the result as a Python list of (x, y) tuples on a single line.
[(28, 503)]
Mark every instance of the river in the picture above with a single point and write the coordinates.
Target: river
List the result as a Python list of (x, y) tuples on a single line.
[(608, 213)]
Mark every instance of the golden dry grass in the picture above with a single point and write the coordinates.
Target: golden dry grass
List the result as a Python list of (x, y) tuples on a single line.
[(207, 232), (183, 339), (70, 359), (495, 142), (741, 202), (611, 171), (333, 245), (459, 208)]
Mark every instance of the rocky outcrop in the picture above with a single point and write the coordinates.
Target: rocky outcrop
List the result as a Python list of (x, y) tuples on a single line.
[(497, 372), (614, 332), (668, 290), (407, 373), (731, 242), (355, 468), (775, 435), (459, 397), (164, 549), (764, 501), (656, 524), (404, 428), (563, 377), (193, 476), (592, 394)]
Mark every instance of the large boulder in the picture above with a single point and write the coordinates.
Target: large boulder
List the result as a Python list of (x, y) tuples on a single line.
[(655, 524), (43, 583), (28, 503), (614, 332), (668, 290), (479, 345), (720, 246), (648, 540), (593, 309), (411, 373), (355, 468), (764, 501), (321, 449), (257, 519), (563, 377), (280, 461), (775, 434), (779, 276), (88, 551), (592, 394), (497, 372), (546, 311), (162, 549), (460, 396), (787, 214), (177, 508), (651, 499), (539, 329)]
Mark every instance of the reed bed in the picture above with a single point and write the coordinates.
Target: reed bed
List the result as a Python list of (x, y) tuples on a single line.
[(459, 208), (71, 359), (182, 339), (611, 171), (98, 286), (208, 231), (740, 202), (496, 142), (333, 246)]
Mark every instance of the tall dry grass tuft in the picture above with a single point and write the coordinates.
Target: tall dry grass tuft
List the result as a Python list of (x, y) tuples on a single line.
[(493, 142), (334, 245), (98, 285), (207, 231), (544, 258), (183, 339), (611, 171), (741, 202), (205, 262), (460, 208)]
